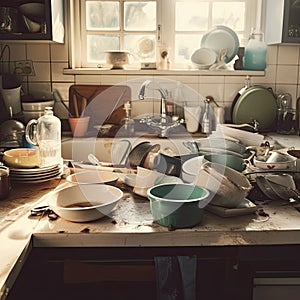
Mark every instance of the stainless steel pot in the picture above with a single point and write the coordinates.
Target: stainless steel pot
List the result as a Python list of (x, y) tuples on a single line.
[(11, 133)]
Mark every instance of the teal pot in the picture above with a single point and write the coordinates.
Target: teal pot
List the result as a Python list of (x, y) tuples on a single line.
[(178, 205), (228, 160)]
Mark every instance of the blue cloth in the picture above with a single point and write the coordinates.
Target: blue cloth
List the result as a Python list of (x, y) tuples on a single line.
[(176, 277)]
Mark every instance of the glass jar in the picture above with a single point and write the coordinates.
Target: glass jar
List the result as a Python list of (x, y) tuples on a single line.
[(45, 133)]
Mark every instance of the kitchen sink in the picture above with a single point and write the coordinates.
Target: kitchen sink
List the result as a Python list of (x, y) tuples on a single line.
[(78, 149)]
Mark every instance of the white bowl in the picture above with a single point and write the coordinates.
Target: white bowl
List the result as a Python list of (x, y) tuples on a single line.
[(84, 203), (31, 25), (97, 177), (191, 168), (33, 10), (228, 187), (37, 105), (203, 58)]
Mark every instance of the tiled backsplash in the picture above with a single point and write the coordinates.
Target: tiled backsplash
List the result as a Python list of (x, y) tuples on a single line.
[(49, 60)]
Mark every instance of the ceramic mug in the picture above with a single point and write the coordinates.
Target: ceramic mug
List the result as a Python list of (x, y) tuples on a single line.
[(12, 98), (4, 182)]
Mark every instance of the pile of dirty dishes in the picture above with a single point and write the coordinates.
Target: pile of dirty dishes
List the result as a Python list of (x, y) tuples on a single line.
[(228, 187)]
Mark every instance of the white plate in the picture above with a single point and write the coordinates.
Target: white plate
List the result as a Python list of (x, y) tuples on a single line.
[(222, 37), (246, 207), (34, 170), (35, 180)]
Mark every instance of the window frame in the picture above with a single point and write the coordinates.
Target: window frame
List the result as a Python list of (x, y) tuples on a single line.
[(164, 36)]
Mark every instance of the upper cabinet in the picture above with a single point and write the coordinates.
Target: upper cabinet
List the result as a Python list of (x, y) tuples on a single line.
[(282, 21), (39, 20)]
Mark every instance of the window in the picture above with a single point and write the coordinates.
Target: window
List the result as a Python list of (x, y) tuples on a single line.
[(146, 28)]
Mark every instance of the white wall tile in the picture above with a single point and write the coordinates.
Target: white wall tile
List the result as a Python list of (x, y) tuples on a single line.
[(211, 79), (272, 53), (59, 52), (17, 52), (269, 78), (288, 55), (42, 72), (38, 52), (57, 72), (112, 79), (230, 91), (287, 74), (214, 90), (87, 79)]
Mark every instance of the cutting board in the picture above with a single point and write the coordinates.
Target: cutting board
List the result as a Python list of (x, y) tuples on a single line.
[(105, 103)]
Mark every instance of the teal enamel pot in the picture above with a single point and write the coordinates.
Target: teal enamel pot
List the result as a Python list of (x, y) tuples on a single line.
[(178, 205)]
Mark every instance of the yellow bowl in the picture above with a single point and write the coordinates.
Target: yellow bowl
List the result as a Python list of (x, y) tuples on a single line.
[(21, 158)]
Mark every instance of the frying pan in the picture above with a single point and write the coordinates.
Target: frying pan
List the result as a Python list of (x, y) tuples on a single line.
[(255, 103)]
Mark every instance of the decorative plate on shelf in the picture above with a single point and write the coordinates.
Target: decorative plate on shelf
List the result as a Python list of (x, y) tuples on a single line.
[(222, 37)]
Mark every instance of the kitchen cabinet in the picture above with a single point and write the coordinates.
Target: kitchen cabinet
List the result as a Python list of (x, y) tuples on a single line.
[(233, 272), (282, 22), (52, 25), (119, 273)]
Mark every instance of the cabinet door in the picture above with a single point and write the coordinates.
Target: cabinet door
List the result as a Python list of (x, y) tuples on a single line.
[(46, 24), (282, 21)]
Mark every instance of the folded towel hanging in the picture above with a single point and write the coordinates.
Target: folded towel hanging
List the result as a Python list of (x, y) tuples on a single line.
[(176, 277)]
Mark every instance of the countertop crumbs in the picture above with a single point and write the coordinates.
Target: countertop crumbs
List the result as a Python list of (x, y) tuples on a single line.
[(85, 230)]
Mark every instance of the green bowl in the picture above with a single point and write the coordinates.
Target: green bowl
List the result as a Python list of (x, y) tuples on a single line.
[(178, 205), (232, 161)]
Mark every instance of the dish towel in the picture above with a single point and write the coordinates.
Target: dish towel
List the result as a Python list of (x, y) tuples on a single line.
[(176, 277)]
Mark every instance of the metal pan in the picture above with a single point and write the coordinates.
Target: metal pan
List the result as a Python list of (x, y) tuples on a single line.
[(256, 104)]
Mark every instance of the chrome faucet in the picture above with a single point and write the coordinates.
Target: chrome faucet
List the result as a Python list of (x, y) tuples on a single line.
[(163, 125)]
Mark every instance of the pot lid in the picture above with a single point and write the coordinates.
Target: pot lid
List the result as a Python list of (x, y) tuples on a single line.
[(256, 103)]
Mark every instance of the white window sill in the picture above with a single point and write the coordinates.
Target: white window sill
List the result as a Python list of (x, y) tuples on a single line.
[(95, 71)]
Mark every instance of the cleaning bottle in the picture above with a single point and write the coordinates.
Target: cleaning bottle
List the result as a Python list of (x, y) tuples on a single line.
[(255, 52)]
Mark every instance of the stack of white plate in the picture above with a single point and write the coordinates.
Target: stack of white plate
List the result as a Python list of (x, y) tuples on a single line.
[(35, 109), (35, 175)]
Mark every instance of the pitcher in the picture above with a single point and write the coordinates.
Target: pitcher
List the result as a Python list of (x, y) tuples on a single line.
[(45, 133)]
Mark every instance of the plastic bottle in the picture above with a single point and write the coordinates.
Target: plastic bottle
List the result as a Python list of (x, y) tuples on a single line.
[(206, 122), (47, 137), (255, 52)]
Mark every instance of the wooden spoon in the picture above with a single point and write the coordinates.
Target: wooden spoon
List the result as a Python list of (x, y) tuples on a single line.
[(75, 106), (83, 104)]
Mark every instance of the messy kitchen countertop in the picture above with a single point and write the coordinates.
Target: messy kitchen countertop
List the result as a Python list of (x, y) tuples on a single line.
[(130, 225)]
